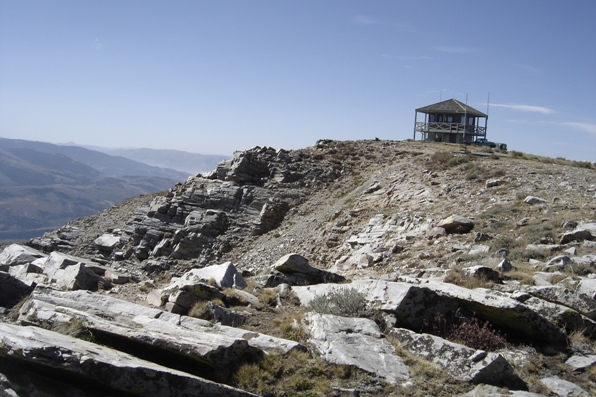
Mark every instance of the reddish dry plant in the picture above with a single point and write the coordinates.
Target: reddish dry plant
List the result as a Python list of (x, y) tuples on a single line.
[(469, 331)]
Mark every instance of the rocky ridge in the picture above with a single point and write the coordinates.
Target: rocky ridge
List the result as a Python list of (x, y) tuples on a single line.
[(425, 233)]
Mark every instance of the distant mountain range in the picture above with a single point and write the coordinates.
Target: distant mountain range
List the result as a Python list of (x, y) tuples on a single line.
[(192, 163), (43, 185)]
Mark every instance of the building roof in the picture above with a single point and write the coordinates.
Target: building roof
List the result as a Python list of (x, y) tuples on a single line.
[(451, 106)]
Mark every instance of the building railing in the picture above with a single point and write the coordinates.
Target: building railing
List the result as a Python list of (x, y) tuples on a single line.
[(450, 128)]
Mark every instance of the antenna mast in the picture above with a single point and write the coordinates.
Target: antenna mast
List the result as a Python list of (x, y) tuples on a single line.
[(487, 108), (465, 120)]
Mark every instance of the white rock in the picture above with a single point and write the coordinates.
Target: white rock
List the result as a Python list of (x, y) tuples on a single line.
[(563, 388), (118, 371), (461, 362), (355, 341), (16, 254)]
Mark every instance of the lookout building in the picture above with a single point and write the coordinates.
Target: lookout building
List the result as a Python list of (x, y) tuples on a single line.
[(450, 121)]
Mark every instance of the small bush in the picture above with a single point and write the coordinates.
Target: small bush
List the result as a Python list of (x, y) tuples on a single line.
[(582, 164), (444, 160), (346, 302)]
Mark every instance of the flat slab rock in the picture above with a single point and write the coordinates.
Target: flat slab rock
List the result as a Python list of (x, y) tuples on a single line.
[(355, 341), (214, 343), (102, 367), (461, 362), (564, 388)]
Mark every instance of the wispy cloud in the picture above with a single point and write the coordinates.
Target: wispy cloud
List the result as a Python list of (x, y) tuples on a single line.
[(98, 44), (524, 108), (585, 127), (453, 50), (413, 58), (526, 68), (365, 20)]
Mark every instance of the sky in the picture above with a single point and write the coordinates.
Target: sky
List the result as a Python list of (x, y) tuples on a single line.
[(213, 77)]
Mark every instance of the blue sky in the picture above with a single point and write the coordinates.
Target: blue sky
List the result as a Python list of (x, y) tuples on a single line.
[(217, 76)]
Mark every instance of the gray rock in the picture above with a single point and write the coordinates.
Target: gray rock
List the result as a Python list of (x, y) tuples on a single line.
[(563, 388), (493, 391), (566, 297), (563, 316), (436, 232), (534, 200), (504, 266), (355, 341), (479, 249), (576, 235), (544, 278), (493, 183), (225, 316), (119, 372), (107, 241), (461, 362), (181, 295), (557, 263), (77, 277), (482, 272), (149, 326), (294, 269), (580, 362), (456, 224), (523, 222), (587, 286), (16, 254), (12, 290), (225, 276)]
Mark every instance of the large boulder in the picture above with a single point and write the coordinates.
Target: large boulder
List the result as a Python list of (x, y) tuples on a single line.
[(184, 292), (99, 368), (225, 276), (71, 272), (355, 341), (16, 254), (294, 269)]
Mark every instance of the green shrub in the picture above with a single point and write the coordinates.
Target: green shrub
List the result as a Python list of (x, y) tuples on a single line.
[(346, 302)]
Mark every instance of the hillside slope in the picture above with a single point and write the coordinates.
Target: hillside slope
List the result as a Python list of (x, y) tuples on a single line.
[(499, 246)]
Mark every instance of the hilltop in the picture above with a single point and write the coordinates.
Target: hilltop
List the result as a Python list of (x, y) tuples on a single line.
[(424, 237)]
